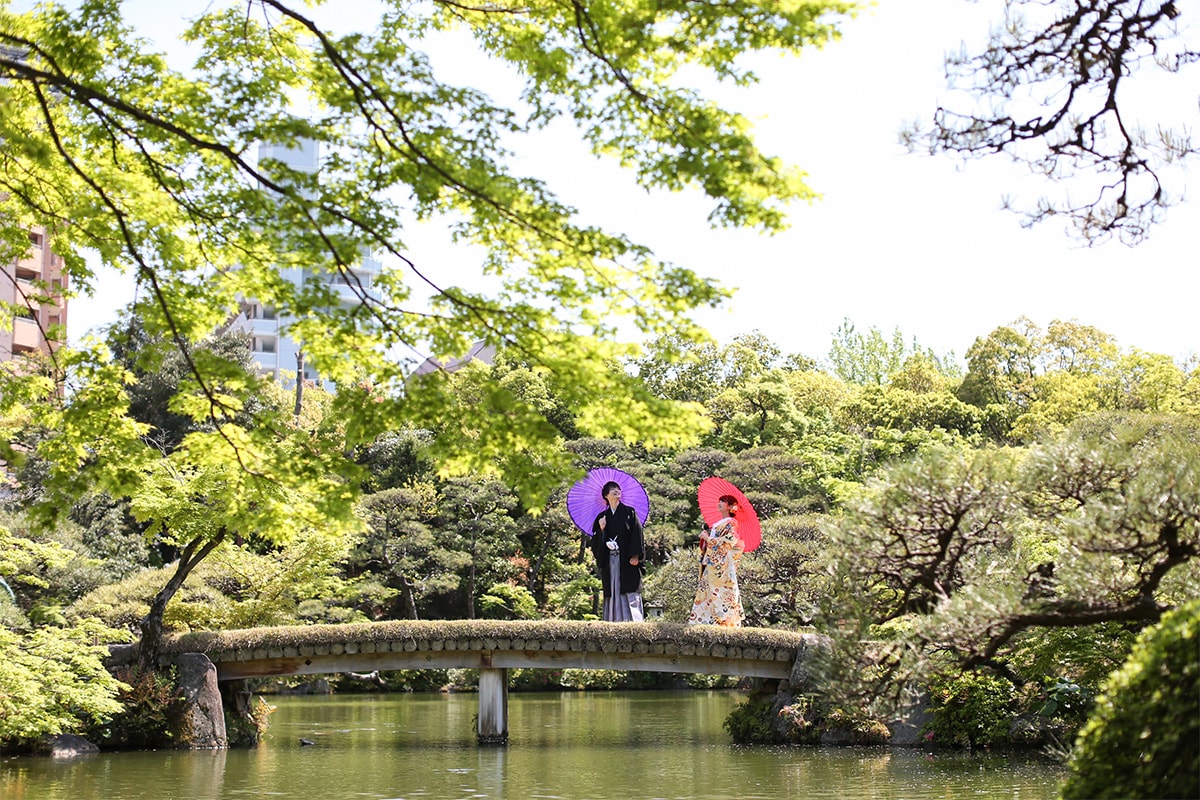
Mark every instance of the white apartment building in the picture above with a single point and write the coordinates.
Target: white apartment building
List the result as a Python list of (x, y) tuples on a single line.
[(275, 352)]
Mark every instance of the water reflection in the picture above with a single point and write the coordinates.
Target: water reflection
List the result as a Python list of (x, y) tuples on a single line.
[(667, 745)]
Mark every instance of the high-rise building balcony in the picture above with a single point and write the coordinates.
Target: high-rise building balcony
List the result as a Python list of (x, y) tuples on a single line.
[(27, 337)]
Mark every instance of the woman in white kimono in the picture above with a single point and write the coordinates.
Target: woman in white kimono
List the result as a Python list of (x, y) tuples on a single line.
[(718, 601)]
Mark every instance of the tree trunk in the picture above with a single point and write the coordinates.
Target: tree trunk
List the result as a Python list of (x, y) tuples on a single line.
[(406, 596), (299, 383), (471, 591), (471, 577), (535, 566), (152, 624)]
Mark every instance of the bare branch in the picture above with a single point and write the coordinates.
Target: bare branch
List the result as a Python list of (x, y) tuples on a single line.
[(1055, 97)]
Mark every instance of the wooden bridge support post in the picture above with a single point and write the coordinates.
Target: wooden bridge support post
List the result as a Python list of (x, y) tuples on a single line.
[(493, 705)]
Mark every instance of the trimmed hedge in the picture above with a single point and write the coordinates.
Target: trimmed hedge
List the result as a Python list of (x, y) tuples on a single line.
[(1143, 738)]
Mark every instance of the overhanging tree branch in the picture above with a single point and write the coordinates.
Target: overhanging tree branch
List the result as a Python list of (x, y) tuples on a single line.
[(1056, 83)]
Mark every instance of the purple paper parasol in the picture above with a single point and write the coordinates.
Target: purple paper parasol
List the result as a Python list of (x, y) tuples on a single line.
[(584, 501)]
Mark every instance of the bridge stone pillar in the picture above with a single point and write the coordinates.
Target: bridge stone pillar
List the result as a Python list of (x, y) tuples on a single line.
[(493, 705)]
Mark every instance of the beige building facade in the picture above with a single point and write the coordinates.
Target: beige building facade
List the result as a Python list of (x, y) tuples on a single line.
[(25, 285)]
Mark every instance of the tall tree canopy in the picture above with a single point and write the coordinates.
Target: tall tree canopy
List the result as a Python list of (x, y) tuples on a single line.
[(155, 170), (158, 171)]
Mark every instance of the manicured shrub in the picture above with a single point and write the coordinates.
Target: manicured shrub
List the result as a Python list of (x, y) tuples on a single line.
[(1143, 737)]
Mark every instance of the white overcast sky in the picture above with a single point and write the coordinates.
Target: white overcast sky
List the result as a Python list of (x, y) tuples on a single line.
[(902, 241)]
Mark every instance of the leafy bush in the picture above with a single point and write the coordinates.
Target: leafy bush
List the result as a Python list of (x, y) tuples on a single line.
[(673, 584), (506, 601), (1066, 700), (970, 709), (805, 720), (573, 599), (326, 612), (592, 678), (1083, 655), (396, 680), (854, 727), (697, 680), (750, 722), (637, 679), (1141, 740), (11, 616), (535, 680), (415, 680), (462, 680), (197, 606), (771, 719), (235, 588), (53, 680), (248, 730), (151, 709)]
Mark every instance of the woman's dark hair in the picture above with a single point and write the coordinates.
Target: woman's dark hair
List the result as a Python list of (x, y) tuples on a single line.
[(730, 501), (608, 487)]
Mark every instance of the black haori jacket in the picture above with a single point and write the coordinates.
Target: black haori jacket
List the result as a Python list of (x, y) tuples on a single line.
[(623, 526)]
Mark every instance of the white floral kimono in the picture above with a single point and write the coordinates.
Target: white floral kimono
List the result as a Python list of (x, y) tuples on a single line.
[(718, 601)]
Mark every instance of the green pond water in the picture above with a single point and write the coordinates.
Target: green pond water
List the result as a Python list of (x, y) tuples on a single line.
[(621, 745)]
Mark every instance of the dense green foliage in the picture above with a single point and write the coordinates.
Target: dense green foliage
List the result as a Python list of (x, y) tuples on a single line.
[(750, 722), (153, 168), (52, 676), (1144, 738), (990, 555), (1039, 561), (53, 680), (970, 709), (150, 709)]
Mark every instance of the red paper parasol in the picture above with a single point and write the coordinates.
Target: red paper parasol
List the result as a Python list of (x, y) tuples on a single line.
[(748, 527), (584, 501)]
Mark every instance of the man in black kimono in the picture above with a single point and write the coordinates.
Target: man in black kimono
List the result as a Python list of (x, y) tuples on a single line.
[(619, 548)]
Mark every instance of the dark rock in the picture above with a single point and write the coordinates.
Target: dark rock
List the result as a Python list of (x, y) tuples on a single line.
[(67, 746), (907, 728), (203, 722)]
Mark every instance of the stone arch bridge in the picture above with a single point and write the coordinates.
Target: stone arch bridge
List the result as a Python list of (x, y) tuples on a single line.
[(494, 647)]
